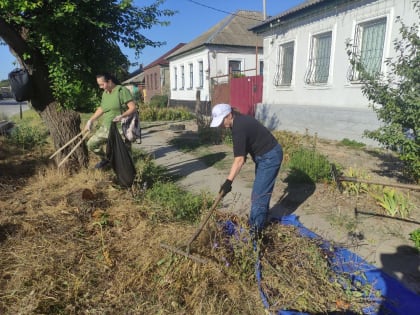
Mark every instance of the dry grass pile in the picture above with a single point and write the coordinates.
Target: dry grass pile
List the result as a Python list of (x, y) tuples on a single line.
[(80, 245)]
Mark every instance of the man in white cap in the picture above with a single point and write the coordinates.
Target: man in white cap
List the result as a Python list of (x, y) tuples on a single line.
[(251, 137)]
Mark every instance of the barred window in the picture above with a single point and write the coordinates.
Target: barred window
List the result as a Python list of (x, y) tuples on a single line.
[(200, 74), (319, 59), (369, 46), (182, 77), (284, 65), (175, 78), (234, 67), (191, 75)]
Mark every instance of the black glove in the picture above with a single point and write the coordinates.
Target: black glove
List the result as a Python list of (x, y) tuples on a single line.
[(226, 187)]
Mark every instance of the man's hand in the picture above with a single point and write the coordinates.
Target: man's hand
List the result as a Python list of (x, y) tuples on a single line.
[(117, 118), (226, 187)]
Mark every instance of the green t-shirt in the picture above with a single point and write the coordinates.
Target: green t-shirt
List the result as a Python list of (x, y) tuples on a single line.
[(110, 103)]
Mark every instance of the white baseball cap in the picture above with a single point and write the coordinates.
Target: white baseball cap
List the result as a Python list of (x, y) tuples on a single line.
[(219, 112)]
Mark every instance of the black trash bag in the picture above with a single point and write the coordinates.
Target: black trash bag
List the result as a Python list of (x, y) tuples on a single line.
[(119, 157), (20, 83)]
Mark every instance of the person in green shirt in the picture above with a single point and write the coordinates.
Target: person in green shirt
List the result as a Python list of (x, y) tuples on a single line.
[(116, 104)]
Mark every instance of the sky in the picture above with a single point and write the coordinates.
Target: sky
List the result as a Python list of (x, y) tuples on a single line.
[(194, 17)]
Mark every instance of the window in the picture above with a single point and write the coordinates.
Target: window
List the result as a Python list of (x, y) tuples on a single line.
[(200, 74), (156, 82), (261, 67), (235, 67), (175, 78), (191, 75), (284, 65), (182, 77), (319, 60), (369, 42)]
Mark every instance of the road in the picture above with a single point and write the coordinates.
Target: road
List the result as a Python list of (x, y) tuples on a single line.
[(9, 107)]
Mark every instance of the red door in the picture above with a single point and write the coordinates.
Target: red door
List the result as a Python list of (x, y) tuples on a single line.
[(245, 93)]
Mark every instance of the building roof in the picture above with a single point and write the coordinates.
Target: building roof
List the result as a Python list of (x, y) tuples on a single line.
[(289, 14), (162, 61), (233, 30)]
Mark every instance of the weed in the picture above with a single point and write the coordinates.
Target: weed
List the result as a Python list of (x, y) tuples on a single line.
[(394, 202), (182, 205), (354, 188), (415, 237), (352, 143)]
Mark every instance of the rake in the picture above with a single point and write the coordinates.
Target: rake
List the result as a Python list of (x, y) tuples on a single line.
[(83, 133), (186, 252)]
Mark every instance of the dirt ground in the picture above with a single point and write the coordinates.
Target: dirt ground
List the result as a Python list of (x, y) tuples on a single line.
[(353, 221)]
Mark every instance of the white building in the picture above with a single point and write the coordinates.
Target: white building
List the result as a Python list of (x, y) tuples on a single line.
[(308, 81), (228, 46)]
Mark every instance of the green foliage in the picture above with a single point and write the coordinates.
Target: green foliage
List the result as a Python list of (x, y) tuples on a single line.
[(352, 143), (354, 188), (182, 205), (415, 237), (28, 137), (160, 101), (78, 39), (393, 202), (395, 97), (29, 132), (149, 113), (308, 165)]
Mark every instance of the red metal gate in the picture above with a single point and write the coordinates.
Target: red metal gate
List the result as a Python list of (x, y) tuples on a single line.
[(245, 93)]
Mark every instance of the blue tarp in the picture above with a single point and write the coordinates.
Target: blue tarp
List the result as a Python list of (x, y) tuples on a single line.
[(396, 298)]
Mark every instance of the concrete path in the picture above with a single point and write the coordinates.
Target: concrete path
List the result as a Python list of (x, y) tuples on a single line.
[(196, 176)]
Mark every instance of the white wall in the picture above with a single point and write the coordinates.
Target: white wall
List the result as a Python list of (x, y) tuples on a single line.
[(215, 63), (319, 108)]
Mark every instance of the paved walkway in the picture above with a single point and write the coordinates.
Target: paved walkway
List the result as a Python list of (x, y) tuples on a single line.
[(196, 176)]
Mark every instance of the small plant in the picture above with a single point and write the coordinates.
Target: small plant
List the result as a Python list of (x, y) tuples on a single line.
[(153, 113), (394, 202), (312, 165), (352, 143), (415, 237), (354, 188), (28, 137)]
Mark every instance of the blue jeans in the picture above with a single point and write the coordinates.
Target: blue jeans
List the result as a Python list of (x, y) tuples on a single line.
[(267, 167)]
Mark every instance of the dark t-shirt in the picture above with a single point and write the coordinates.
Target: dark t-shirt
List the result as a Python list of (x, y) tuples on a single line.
[(250, 136)]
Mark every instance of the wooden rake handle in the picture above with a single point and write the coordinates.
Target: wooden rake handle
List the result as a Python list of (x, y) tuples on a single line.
[(67, 144), (204, 222), (74, 149)]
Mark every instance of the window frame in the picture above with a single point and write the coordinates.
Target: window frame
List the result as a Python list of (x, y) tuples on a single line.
[(312, 75), (281, 70)]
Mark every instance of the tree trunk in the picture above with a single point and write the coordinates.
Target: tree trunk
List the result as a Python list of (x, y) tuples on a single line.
[(64, 125)]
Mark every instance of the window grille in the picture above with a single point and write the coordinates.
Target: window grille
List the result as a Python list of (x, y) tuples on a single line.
[(201, 73), (175, 78), (191, 75), (369, 43), (319, 59), (284, 65), (182, 77)]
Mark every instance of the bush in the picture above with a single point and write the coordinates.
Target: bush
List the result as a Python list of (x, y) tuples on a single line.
[(308, 165), (159, 101)]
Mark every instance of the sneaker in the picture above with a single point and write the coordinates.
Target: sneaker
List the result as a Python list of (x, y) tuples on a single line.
[(102, 164)]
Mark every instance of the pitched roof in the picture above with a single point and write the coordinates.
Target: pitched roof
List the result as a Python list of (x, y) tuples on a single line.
[(233, 30), (162, 59), (290, 13)]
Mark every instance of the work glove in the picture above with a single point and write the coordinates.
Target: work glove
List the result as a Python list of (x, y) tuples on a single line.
[(226, 187), (88, 126), (117, 118)]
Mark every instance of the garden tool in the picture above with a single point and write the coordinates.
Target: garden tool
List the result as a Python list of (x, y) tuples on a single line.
[(83, 133), (339, 178), (186, 252)]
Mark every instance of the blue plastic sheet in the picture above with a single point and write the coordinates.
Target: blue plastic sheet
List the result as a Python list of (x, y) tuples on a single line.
[(396, 298)]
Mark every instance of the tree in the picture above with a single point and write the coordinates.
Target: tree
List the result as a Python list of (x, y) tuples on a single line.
[(395, 96), (64, 44)]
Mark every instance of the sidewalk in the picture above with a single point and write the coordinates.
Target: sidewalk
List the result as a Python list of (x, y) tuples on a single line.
[(196, 176)]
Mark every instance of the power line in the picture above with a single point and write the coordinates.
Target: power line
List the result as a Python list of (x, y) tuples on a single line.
[(215, 9)]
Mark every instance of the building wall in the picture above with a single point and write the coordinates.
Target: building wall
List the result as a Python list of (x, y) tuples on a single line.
[(215, 63), (337, 108), (154, 79)]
